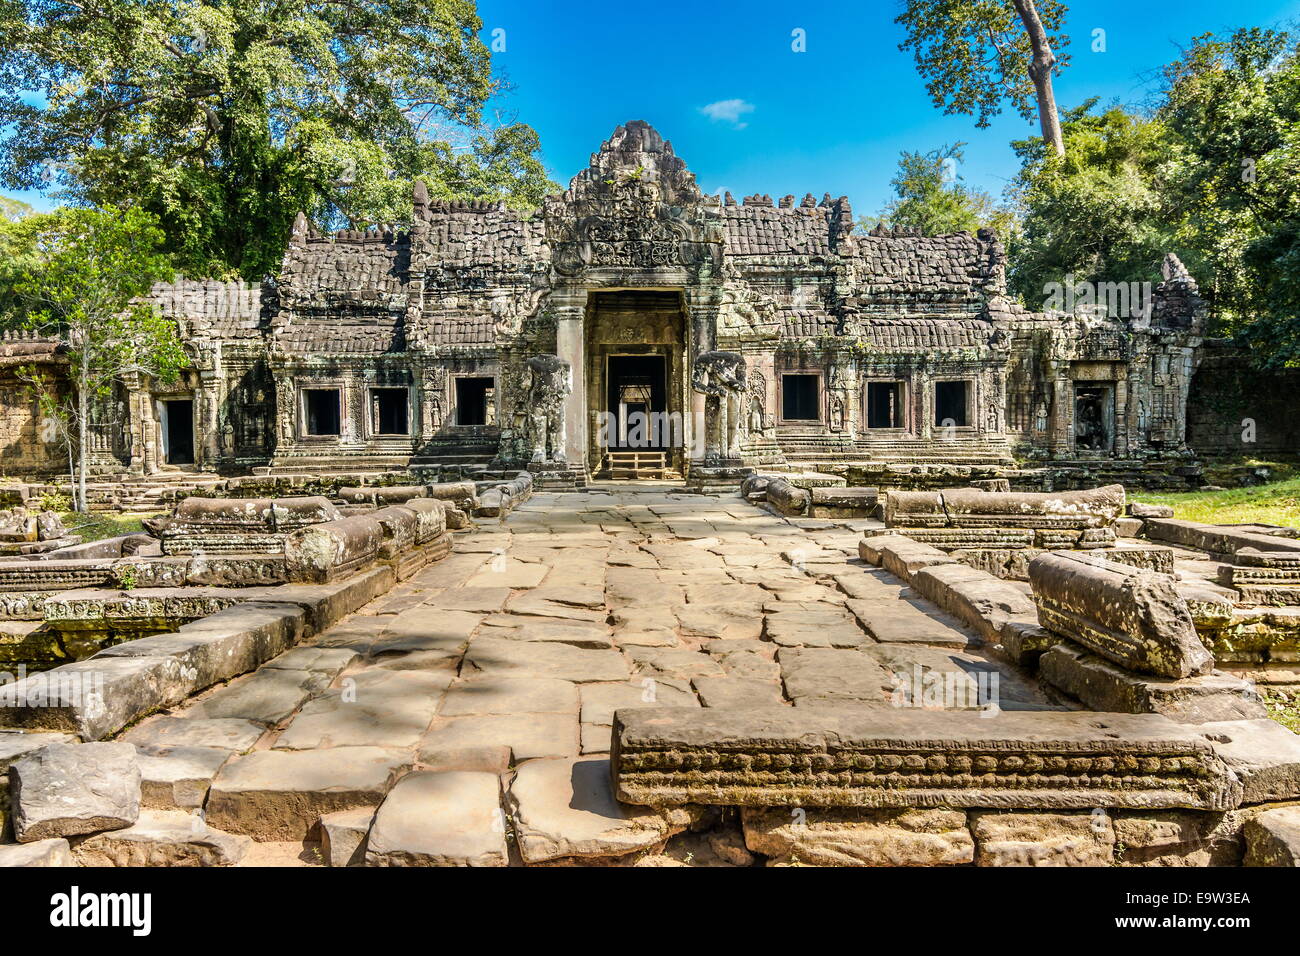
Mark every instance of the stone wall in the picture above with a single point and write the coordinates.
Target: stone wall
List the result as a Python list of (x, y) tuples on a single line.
[(1231, 403)]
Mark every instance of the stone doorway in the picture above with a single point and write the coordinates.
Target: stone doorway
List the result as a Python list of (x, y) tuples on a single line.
[(636, 383), (1094, 416), (176, 422)]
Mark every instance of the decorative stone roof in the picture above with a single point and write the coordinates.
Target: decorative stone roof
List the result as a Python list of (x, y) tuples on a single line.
[(211, 308)]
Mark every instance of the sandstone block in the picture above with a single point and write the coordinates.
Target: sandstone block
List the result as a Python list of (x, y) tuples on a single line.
[(440, 819), (69, 789)]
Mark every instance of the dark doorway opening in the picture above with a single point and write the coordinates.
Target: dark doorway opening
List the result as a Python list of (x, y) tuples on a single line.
[(388, 411), (950, 404), (1094, 417), (178, 425), (801, 398), (884, 404), (636, 399), (474, 398), (322, 408)]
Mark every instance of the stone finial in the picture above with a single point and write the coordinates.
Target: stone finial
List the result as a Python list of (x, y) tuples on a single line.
[(787, 202), (729, 199), (299, 230), (1172, 268), (809, 201), (420, 196)]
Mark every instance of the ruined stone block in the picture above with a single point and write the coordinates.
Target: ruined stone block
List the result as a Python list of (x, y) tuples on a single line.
[(836, 756), (1135, 618)]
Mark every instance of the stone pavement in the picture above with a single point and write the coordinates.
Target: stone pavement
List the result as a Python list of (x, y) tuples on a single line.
[(486, 684)]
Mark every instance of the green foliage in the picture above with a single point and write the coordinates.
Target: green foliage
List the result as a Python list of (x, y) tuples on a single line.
[(80, 276), (11, 209), (54, 501), (1234, 107), (1212, 174), (931, 196), (975, 54), (1277, 502), (1098, 212), (224, 118)]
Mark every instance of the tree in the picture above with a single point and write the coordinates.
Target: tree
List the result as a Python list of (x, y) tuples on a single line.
[(224, 118), (930, 196), (1098, 214), (977, 54), (81, 287), (11, 210), (1233, 105)]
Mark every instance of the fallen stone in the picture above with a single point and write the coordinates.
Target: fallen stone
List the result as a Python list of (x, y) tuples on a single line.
[(1263, 754), (976, 598), (163, 838), (440, 819), (1043, 839), (1273, 838), (565, 808), (1127, 615), (343, 836), (1105, 687), (178, 778), (16, 745), (69, 789), (903, 757), (52, 852), (858, 837), (282, 794)]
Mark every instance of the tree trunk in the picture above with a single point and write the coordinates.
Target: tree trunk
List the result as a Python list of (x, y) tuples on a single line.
[(1040, 71), (83, 425)]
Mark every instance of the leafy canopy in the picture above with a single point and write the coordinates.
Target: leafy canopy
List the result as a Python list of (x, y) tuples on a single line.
[(975, 54), (82, 273), (931, 196), (223, 118)]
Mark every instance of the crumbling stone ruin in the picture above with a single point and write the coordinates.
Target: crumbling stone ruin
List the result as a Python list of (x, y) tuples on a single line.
[(751, 334), (654, 678)]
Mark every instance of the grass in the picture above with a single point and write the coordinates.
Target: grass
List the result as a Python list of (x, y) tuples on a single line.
[(1285, 710), (1275, 503), (96, 526)]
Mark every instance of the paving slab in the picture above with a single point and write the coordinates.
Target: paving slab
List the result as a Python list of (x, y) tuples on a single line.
[(281, 794), (435, 818)]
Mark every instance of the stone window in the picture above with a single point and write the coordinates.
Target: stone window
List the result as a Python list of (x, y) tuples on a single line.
[(885, 405), (952, 404), (474, 400), (321, 410), (389, 411), (801, 398)]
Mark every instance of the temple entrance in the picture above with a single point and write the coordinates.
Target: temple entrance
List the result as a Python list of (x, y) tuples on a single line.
[(636, 384), (637, 398), (176, 420), (1094, 416)]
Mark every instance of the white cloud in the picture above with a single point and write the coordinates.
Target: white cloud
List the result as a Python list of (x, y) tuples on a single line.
[(728, 111)]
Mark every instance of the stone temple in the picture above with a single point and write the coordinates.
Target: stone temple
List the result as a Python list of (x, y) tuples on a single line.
[(823, 348), (889, 608)]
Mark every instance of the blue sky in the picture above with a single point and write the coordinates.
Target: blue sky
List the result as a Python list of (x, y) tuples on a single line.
[(831, 119)]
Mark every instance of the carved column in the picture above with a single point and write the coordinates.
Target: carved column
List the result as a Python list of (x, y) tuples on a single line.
[(570, 345)]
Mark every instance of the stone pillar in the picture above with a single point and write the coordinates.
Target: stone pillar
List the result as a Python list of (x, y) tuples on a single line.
[(570, 345)]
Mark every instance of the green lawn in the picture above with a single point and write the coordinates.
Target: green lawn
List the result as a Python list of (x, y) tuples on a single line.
[(1275, 503)]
